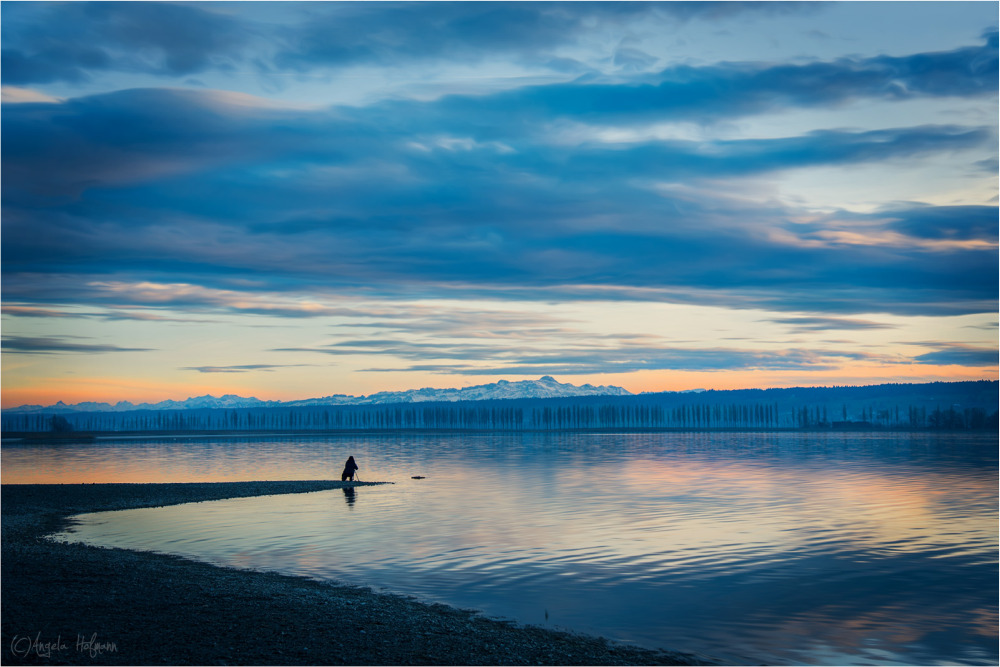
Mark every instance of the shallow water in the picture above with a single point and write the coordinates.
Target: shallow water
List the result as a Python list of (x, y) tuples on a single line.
[(775, 548)]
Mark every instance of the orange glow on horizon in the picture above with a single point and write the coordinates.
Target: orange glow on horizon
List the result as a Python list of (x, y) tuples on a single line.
[(47, 391), (655, 381), (105, 390)]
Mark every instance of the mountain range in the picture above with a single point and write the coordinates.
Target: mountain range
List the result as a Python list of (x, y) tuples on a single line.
[(544, 387)]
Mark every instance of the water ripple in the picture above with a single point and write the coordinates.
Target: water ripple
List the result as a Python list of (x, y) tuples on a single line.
[(840, 549)]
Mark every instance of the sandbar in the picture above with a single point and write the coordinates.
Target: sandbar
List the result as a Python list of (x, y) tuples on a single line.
[(67, 603)]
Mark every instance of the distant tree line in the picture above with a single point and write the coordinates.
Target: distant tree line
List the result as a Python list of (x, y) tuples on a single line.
[(936, 406)]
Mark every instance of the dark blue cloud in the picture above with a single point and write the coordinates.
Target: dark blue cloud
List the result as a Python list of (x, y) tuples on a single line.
[(958, 223), (388, 33), (960, 355), (60, 345), (244, 368), (804, 324), (690, 159), (108, 316), (517, 357), (70, 42), (73, 42), (464, 194), (70, 63), (582, 357), (176, 191), (32, 311), (738, 89), (138, 135)]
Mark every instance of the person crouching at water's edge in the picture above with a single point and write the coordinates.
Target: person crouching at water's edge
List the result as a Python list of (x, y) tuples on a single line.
[(349, 468)]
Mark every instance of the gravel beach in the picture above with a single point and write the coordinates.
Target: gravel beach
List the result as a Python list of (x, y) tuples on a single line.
[(75, 604)]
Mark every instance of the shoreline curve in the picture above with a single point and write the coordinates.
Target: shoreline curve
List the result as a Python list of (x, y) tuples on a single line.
[(89, 605)]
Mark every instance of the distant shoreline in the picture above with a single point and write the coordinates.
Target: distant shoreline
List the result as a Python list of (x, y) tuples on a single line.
[(16, 437), (75, 604), (959, 406)]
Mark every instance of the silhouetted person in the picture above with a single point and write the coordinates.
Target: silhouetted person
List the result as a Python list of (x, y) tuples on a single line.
[(349, 469)]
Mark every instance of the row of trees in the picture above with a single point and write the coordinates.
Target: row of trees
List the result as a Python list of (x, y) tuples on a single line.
[(631, 412)]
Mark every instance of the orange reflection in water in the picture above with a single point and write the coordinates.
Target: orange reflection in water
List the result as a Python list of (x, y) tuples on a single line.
[(94, 475), (151, 460), (899, 513), (755, 535)]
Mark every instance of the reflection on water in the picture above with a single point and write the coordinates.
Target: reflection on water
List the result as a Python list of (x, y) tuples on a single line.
[(803, 548)]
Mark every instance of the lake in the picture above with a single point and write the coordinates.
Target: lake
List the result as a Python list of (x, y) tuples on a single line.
[(818, 548)]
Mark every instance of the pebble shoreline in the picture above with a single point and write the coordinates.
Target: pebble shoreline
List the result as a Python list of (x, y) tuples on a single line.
[(76, 604)]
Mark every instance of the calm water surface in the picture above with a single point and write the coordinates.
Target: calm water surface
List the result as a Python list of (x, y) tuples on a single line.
[(751, 548)]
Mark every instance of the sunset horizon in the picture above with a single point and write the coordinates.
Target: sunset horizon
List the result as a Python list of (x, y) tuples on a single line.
[(500, 333), (44, 400), (210, 198)]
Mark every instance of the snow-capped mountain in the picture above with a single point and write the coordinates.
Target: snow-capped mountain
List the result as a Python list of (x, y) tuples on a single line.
[(207, 401), (544, 387)]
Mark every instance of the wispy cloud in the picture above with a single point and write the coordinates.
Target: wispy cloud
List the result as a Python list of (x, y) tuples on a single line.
[(676, 359), (244, 368), (46, 43), (32, 311), (582, 355), (208, 299), (354, 206), (111, 315), (241, 164), (961, 355), (800, 324), (61, 345), (730, 90)]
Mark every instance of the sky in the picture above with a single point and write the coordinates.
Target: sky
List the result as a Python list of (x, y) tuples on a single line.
[(291, 200)]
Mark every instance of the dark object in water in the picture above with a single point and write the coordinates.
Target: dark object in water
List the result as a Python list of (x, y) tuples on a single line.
[(418, 477), (350, 468)]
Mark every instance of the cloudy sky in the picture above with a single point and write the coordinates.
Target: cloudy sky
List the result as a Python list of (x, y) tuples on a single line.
[(289, 200)]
